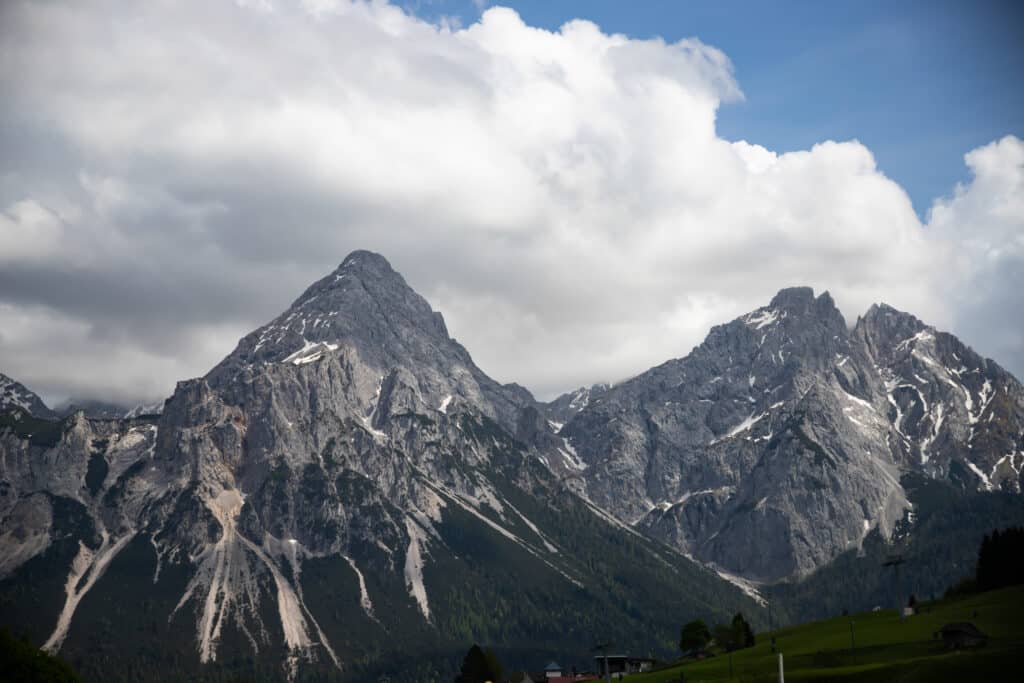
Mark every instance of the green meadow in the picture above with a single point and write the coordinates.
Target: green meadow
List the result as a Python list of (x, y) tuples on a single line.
[(883, 647)]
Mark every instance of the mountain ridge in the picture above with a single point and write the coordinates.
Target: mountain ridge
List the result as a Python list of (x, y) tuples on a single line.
[(677, 442), (350, 453)]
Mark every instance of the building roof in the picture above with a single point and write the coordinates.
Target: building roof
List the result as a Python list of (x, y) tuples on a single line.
[(553, 666)]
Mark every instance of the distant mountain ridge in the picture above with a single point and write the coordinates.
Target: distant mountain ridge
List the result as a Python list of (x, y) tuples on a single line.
[(15, 395)]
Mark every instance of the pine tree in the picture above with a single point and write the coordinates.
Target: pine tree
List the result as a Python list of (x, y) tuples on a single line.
[(476, 667), (743, 634), (1001, 559)]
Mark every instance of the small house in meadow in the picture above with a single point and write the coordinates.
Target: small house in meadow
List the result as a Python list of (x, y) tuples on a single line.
[(621, 665)]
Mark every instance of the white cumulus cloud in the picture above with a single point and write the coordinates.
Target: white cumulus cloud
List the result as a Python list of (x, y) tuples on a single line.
[(183, 170), (982, 226)]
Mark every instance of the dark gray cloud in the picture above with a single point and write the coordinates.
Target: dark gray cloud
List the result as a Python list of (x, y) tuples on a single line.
[(174, 174)]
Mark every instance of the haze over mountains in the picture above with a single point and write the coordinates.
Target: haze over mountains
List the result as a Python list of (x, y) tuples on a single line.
[(347, 489)]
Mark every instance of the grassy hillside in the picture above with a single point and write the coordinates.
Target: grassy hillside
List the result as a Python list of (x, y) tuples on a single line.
[(884, 648)]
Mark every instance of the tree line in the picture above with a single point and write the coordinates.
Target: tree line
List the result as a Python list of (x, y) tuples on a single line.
[(1000, 563), (695, 636)]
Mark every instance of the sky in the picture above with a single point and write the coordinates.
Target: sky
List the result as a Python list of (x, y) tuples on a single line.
[(582, 188)]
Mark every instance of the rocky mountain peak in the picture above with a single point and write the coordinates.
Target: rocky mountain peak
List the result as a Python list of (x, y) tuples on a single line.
[(363, 322), (365, 280), (795, 327), (368, 262), (14, 395), (800, 301), (883, 318), (793, 298), (363, 305), (367, 270), (883, 327)]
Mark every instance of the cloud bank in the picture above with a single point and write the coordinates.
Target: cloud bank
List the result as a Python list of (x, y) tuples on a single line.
[(174, 174)]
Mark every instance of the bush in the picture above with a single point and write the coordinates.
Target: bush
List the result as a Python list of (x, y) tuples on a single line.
[(694, 636)]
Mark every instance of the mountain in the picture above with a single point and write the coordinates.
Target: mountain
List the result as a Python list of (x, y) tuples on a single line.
[(780, 442), (14, 395), (345, 495)]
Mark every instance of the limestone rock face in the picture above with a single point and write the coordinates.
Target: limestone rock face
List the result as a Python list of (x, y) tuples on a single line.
[(780, 441), (955, 414)]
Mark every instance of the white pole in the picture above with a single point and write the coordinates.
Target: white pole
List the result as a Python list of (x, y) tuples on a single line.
[(782, 674)]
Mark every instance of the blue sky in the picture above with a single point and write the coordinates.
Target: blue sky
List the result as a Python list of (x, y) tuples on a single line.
[(919, 83)]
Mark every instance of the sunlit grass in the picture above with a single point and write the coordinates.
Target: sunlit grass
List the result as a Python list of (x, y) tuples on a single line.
[(883, 647)]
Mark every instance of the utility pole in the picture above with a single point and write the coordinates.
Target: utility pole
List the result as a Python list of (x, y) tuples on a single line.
[(895, 561), (782, 672), (603, 649)]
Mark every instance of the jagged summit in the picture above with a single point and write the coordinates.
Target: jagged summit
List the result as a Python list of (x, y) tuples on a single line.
[(883, 315), (795, 297), (366, 260), (15, 395), (882, 324), (365, 306), (363, 321), (802, 298), (361, 267), (800, 301)]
